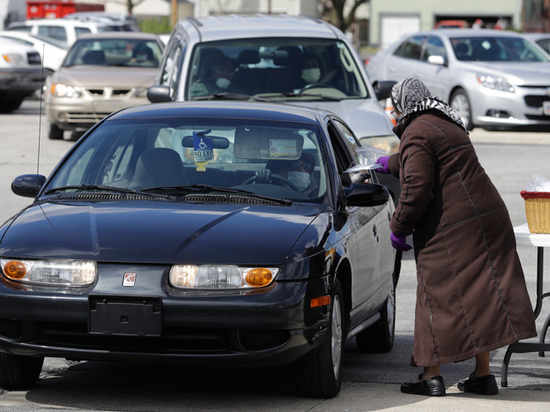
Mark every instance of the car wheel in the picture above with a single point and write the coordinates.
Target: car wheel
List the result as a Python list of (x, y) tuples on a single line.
[(55, 133), (461, 103), (19, 372), (320, 376), (380, 336)]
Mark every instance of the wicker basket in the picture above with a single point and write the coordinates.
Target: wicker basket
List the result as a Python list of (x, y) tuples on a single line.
[(537, 209)]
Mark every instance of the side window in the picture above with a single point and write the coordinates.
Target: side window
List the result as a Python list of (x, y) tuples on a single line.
[(172, 53), (434, 47), (175, 76), (411, 48), (56, 32), (349, 138), (340, 144), (81, 30)]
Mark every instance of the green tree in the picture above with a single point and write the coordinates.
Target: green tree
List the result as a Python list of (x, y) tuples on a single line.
[(334, 11)]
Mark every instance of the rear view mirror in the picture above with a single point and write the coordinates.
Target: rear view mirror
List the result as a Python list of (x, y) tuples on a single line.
[(366, 194), (382, 89), (158, 94), (28, 185), (437, 60), (217, 142)]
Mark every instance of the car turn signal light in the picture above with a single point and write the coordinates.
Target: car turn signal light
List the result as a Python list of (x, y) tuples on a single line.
[(15, 270)]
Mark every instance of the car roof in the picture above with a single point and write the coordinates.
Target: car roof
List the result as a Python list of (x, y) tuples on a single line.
[(468, 33), (232, 110), (232, 26), (119, 35), (55, 22)]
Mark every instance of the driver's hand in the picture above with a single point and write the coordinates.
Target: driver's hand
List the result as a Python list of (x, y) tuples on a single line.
[(263, 176)]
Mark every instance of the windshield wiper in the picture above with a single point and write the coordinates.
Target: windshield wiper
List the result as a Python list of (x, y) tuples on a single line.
[(209, 188), (229, 96), (91, 187), (301, 94)]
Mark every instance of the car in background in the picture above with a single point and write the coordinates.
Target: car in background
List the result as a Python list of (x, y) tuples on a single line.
[(542, 39), (266, 54), (133, 251), (51, 51), (20, 74), (452, 24), (120, 21), (101, 73), (495, 79), (63, 30)]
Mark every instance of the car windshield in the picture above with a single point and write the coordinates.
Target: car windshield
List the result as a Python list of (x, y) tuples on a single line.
[(496, 49), (114, 52), (284, 68), (176, 157)]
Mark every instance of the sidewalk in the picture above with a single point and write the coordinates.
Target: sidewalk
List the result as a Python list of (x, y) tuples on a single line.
[(479, 135)]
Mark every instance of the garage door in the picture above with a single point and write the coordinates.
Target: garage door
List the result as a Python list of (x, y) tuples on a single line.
[(393, 27)]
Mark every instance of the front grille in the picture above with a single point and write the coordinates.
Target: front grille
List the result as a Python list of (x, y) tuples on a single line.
[(536, 100), (103, 92), (121, 92), (96, 92), (85, 117), (33, 58), (540, 118)]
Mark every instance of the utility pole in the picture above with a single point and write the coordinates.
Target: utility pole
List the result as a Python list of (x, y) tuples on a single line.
[(174, 17)]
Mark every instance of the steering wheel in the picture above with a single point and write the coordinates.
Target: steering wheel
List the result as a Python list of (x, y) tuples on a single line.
[(274, 177), (316, 85)]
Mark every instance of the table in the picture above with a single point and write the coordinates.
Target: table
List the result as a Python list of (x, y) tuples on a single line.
[(540, 241)]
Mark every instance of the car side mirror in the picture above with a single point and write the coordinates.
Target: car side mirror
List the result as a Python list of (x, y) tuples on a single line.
[(159, 94), (366, 194), (28, 185), (382, 88), (437, 60)]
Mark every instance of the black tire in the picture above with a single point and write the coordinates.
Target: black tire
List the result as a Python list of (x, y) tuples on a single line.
[(320, 376), (461, 103), (380, 336), (19, 372), (8, 106), (55, 133)]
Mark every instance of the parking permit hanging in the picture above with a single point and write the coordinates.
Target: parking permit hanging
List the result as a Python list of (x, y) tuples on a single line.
[(203, 150)]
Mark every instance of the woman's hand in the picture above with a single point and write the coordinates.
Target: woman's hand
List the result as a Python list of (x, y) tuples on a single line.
[(399, 242), (383, 161)]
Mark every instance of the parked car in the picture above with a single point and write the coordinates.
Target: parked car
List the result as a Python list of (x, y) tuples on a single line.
[(120, 21), (495, 79), (542, 39), (102, 73), (51, 51), (134, 250), (64, 30), (20, 74), (266, 54)]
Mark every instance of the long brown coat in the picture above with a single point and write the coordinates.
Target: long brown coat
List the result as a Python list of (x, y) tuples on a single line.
[(471, 295)]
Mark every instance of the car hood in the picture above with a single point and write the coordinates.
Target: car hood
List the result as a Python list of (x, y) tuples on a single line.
[(110, 76), (364, 116), (531, 73), (158, 232)]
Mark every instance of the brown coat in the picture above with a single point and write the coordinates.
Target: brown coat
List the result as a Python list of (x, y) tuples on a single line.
[(471, 295)]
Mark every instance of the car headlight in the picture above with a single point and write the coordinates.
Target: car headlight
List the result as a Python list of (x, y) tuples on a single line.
[(388, 144), (63, 90), (495, 83), (13, 58), (50, 272), (220, 277)]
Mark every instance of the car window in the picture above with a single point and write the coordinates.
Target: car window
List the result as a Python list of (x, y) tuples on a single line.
[(79, 31), (114, 52), (349, 138), (18, 40), (504, 49), (545, 44), (21, 28), (276, 68), (433, 47), (262, 157), (172, 53), (56, 32), (410, 49)]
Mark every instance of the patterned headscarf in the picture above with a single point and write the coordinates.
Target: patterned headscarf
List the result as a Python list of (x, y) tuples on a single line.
[(412, 96)]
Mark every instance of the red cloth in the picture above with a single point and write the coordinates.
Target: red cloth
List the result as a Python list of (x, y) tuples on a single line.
[(535, 195)]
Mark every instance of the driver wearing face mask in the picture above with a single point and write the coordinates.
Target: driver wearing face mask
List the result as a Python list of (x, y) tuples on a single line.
[(299, 172), (216, 78), (311, 68)]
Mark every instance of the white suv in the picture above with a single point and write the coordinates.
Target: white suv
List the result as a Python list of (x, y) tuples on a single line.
[(293, 59), (64, 30)]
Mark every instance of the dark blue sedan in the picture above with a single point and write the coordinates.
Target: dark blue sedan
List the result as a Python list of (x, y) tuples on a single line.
[(238, 234)]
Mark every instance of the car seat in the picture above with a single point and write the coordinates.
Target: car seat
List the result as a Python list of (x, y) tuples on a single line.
[(159, 167), (94, 57)]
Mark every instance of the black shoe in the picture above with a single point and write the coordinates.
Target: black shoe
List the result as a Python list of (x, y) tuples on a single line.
[(429, 387), (484, 385)]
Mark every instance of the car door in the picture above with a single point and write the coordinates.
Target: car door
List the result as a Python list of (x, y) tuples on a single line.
[(403, 61), (363, 245), (435, 75)]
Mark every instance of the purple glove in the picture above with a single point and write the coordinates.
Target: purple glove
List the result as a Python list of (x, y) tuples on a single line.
[(383, 160), (399, 242)]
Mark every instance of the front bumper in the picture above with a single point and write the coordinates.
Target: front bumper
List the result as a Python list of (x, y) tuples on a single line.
[(271, 327), (20, 81), (523, 108)]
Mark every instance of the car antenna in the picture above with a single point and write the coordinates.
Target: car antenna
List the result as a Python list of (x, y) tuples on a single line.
[(40, 111)]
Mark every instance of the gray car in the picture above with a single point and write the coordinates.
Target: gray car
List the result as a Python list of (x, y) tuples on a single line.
[(495, 79), (297, 60)]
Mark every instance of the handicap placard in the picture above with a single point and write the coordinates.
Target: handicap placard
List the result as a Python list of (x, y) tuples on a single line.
[(203, 149)]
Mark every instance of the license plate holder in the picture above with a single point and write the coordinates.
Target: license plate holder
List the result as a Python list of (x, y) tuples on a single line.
[(546, 108), (125, 316)]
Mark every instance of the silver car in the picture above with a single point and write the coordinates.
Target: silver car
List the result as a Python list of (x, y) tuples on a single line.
[(495, 79), (102, 73)]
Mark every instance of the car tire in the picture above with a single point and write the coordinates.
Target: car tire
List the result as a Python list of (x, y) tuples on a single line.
[(19, 372), (380, 336), (55, 132), (10, 105), (461, 103), (320, 376)]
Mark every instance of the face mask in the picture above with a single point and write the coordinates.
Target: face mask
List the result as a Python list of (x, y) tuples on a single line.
[(223, 83), (300, 179), (311, 75)]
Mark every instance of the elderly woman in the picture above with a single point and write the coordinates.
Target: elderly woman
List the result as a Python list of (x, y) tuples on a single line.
[(471, 295)]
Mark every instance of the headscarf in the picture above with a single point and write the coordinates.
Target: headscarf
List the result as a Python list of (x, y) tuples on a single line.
[(411, 96)]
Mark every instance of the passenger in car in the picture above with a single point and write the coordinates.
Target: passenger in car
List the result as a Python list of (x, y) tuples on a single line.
[(216, 76)]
